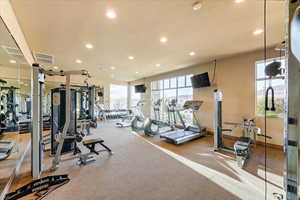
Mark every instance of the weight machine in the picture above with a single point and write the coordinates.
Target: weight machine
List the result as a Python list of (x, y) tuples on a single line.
[(38, 78)]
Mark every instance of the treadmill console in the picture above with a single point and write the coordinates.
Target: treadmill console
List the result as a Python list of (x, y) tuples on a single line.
[(193, 104)]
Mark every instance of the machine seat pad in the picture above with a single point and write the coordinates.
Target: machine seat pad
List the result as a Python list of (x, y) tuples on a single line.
[(92, 141), (241, 146)]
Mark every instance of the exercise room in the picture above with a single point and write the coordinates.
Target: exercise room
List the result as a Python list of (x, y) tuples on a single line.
[(149, 99)]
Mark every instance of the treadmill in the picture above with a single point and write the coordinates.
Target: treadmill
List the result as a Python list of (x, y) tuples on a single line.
[(188, 133)]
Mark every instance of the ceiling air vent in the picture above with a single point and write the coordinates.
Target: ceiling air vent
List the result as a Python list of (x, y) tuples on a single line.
[(12, 51), (44, 58)]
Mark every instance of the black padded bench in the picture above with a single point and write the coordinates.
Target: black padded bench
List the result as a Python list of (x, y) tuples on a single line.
[(91, 143)]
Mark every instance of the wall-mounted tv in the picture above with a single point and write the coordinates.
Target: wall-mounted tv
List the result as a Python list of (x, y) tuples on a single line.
[(200, 80), (140, 88)]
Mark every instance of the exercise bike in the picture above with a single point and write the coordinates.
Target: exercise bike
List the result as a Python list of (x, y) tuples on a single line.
[(138, 121), (156, 125)]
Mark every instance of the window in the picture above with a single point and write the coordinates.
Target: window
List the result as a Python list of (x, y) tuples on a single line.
[(263, 82), (178, 88), (118, 96), (135, 97)]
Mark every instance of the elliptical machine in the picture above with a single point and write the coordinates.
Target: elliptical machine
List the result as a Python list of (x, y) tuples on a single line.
[(156, 125), (138, 121)]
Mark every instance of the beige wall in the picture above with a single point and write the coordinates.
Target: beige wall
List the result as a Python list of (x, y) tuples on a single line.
[(235, 76)]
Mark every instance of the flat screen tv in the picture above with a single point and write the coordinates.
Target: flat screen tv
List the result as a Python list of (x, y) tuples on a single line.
[(140, 88), (200, 80)]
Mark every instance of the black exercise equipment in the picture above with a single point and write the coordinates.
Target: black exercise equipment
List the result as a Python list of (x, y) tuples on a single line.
[(58, 113), (40, 187)]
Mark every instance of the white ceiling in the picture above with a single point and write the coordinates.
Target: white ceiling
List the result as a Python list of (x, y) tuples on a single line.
[(220, 28)]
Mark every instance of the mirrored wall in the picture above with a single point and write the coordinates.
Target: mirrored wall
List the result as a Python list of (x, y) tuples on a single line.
[(14, 107)]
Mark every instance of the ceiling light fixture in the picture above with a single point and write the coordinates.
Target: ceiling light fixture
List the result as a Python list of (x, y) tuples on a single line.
[(12, 61), (130, 57), (78, 61), (112, 67), (111, 14), (197, 5), (89, 46), (163, 39), (157, 65), (238, 1), (136, 72), (258, 31), (192, 53)]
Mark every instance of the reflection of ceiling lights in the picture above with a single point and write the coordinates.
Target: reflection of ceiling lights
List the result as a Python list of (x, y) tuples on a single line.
[(238, 1), (197, 5), (55, 67), (111, 14), (130, 57), (258, 32), (157, 65), (163, 39), (12, 61), (112, 67), (89, 46), (136, 72), (192, 53), (78, 61)]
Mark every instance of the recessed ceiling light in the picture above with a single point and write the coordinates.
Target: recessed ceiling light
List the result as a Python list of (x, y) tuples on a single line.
[(163, 39), (258, 31), (197, 5), (157, 65), (89, 46), (238, 1), (111, 14), (136, 72), (113, 67), (12, 61), (130, 57), (55, 67), (78, 61), (192, 53)]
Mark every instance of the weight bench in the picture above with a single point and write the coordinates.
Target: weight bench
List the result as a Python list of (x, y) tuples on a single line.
[(91, 144)]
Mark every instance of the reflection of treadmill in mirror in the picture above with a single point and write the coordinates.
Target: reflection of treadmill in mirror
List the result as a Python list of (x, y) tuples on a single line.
[(189, 132)]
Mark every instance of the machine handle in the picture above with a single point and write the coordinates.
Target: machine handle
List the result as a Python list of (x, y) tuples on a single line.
[(226, 130), (267, 100), (263, 135)]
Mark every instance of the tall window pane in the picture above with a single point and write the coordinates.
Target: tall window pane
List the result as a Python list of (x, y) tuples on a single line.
[(118, 96), (181, 81), (173, 83), (188, 80), (278, 84), (166, 83)]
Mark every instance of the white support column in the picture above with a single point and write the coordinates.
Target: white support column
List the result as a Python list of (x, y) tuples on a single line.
[(36, 162)]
